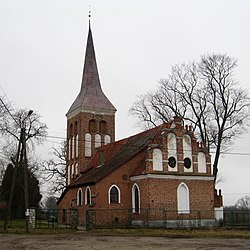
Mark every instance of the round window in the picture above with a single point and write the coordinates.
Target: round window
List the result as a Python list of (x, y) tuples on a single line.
[(172, 162), (187, 163)]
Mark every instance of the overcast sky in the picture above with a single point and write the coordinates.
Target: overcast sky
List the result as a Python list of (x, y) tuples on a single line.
[(42, 47)]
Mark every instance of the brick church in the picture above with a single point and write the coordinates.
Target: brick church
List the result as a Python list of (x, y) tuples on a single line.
[(163, 173)]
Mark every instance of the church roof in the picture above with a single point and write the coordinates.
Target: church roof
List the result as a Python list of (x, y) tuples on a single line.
[(115, 155), (91, 96)]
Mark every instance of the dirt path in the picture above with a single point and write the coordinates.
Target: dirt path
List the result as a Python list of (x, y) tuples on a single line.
[(83, 241)]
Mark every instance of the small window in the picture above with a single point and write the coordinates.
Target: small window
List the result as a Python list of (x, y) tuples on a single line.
[(187, 163), (172, 162), (97, 141), (87, 196), (79, 197), (107, 139), (114, 194)]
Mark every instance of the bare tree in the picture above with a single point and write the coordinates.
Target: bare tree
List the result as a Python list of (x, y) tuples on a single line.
[(204, 94), (54, 170), (243, 202)]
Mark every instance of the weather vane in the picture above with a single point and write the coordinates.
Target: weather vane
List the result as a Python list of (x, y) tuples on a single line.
[(89, 11)]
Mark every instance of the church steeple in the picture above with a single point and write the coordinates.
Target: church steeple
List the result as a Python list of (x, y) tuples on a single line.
[(90, 119), (91, 97)]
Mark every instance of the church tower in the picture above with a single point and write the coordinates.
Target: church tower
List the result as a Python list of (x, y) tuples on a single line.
[(90, 119)]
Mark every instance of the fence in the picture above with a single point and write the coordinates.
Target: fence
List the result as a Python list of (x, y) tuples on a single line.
[(118, 218), (101, 218), (43, 218), (237, 218)]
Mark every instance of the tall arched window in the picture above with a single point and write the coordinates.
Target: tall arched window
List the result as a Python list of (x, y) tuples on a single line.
[(202, 168), (157, 160), (103, 127), (135, 199), (97, 141), (76, 139), (76, 168), (187, 153), (114, 194), (68, 176), (79, 197), (183, 199), (92, 126), (72, 170), (87, 196), (69, 148), (87, 144), (172, 152), (107, 139), (73, 148)]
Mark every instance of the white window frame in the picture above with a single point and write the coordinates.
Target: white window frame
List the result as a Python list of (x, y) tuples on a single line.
[(133, 198), (183, 208), (77, 198), (88, 144), (119, 194), (157, 160), (86, 190)]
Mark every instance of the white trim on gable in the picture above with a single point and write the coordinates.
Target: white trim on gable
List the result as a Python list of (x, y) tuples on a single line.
[(173, 177)]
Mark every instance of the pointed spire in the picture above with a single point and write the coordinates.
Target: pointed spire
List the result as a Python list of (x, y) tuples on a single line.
[(91, 97)]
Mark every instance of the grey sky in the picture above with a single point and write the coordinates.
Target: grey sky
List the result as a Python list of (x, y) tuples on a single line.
[(42, 48)]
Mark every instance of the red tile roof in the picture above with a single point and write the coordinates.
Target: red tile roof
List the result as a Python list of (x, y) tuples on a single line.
[(115, 155)]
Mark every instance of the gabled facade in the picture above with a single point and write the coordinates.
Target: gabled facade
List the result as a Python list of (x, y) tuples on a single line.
[(161, 169)]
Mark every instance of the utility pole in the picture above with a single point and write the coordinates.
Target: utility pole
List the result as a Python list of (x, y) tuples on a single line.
[(16, 165), (25, 177), (21, 161)]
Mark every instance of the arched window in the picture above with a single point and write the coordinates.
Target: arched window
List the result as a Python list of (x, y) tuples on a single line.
[(202, 162), (92, 126), (87, 144), (87, 196), (73, 148), (172, 152), (69, 148), (114, 194), (76, 143), (68, 172), (107, 139), (103, 127), (79, 197), (183, 199), (76, 168), (187, 153), (135, 199), (72, 170), (157, 160), (97, 141)]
